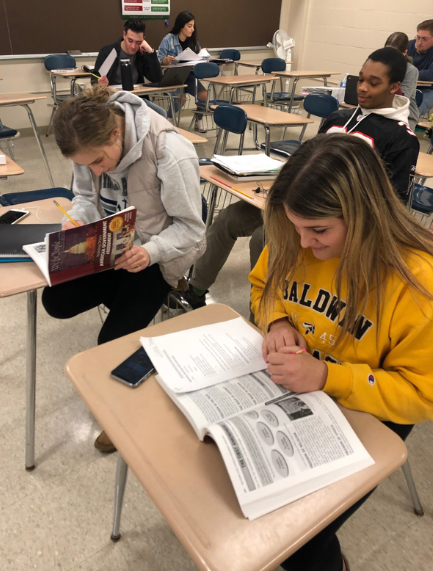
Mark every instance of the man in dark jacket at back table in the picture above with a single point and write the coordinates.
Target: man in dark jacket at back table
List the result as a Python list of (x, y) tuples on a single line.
[(421, 50), (133, 46)]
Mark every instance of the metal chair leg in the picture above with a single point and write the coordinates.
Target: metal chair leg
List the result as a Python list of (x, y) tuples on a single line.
[(50, 122), (119, 491), (418, 509)]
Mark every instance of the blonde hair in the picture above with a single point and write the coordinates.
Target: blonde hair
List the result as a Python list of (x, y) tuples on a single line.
[(342, 177), (86, 121)]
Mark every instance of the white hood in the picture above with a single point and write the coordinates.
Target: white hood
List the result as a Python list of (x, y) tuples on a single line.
[(398, 112)]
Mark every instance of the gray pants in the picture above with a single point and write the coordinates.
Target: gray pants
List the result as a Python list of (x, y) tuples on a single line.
[(236, 221)]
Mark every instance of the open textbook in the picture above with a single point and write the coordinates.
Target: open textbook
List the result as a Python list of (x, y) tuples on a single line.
[(69, 254), (277, 446)]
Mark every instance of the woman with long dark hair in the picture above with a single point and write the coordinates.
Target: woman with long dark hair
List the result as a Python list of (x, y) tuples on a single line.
[(347, 275), (183, 35)]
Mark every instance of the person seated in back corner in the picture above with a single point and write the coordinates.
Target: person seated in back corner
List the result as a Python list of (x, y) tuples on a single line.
[(133, 46), (381, 119), (421, 51), (400, 41), (183, 35)]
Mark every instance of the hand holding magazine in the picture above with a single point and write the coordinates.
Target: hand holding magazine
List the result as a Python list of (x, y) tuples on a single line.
[(84, 250), (277, 446)]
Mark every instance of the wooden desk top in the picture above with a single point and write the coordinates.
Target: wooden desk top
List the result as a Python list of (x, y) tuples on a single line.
[(424, 165), (257, 199), (192, 137), (143, 89), (424, 124), (301, 74), (421, 82), (238, 80), (253, 62), (19, 277), (187, 478), (17, 98), (72, 73), (269, 116), (10, 168)]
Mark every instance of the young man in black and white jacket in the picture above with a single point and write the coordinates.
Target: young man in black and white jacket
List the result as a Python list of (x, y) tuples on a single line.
[(381, 118)]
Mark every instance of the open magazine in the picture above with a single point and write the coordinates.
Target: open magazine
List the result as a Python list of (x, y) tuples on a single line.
[(277, 446), (84, 250)]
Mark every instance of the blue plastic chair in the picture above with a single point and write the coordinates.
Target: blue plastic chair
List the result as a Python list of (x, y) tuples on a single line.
[(57, 61), (202, 71), (14, 198), (317, 104), (422, 204), (278, 97), (6, 136), (230, 53), (419, 96)]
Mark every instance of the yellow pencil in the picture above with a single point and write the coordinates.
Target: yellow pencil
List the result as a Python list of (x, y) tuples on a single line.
[(65, 213)]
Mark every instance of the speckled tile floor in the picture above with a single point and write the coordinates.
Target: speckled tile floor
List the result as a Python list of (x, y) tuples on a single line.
[(58, 517)]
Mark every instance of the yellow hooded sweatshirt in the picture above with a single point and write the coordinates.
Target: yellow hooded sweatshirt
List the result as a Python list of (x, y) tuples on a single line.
[(391, 378)]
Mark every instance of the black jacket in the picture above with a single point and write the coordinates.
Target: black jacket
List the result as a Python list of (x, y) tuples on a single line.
[(393, 140), (148, 65)]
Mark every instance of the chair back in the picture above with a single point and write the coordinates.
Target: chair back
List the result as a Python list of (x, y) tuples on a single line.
[(419, 96), (59, 61), (422, 199), (208, 69), (230, 118), (320, 105), (230, 53), (271, 64)]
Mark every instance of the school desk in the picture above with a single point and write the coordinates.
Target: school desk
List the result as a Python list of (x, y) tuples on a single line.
[(297, 75), (25, 277), (72, 75), (254, 63), (168, 90), (24, 100), (267, 118), (424, 167), (422, 83), (187, 479), (218, 179), (233, 82), (192, 137), (10, 168)]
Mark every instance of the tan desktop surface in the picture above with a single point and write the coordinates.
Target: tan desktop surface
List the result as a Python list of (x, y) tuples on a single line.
[(187, 479), (19, 277)]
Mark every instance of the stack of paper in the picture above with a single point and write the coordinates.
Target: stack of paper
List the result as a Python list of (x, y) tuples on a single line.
[(248, 167)]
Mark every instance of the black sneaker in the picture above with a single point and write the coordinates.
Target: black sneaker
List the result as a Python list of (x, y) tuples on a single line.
[(194, 300)]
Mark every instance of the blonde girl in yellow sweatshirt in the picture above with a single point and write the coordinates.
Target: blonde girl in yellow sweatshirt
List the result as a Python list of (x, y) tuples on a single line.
[(347, 274)]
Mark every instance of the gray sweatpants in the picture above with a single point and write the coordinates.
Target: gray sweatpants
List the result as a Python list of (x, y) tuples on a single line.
[(237, 220)]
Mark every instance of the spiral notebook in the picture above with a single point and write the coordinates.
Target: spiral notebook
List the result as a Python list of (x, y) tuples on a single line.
[(14, 236)]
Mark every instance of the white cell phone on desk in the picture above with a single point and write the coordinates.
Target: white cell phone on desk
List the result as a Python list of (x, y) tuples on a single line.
[(13, 216)]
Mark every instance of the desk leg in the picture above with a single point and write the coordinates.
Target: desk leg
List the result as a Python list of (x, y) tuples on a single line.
[(38, 139), (73, 80), (267, 140), (211, 211), (30, 380), (119, 491), (292, 95)]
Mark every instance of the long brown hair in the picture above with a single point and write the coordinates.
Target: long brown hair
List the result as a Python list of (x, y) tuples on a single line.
[(343, 177), (86, 121)]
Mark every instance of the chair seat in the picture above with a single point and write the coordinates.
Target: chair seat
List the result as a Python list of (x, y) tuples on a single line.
[(422, 199), (7, 132), (205, 162), (284, 96), (31, 195), (61, 98), (283, 148)]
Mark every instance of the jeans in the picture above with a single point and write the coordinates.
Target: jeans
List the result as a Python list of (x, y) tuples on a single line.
[(323, 553), (133, 299), (235, 221), (190, 88), (427, 101)]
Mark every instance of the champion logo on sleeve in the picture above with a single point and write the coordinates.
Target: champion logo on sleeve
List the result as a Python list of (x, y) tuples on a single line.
[(371, 380)]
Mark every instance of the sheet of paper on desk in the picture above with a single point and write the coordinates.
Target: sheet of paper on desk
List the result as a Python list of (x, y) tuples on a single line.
[(207, 355), (189, 55), (249, 164), (66, 70), (106, 66)]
